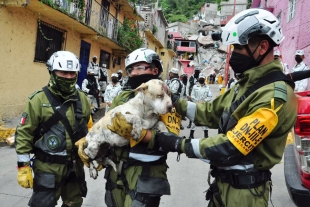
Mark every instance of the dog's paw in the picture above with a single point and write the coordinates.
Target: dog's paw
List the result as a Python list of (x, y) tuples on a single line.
[(93, 171), (136, 132)]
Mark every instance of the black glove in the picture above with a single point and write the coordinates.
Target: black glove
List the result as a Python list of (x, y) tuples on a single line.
[(169, 142), (174, 99), (88, 87)]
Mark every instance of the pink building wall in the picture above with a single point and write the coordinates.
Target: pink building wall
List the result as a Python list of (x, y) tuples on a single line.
[(296, 31)]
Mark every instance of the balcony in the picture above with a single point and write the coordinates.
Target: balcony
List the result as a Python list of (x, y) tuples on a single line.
[(89, 18)]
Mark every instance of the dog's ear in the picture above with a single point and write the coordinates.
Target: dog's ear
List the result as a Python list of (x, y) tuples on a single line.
[(142, 87)]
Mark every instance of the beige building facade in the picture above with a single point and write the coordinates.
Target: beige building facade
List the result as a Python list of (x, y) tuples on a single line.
[(32, 31)]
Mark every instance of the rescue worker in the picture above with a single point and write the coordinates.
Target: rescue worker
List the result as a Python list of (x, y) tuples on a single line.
[(277, 56), (94, 66), (91, 86), (103, 80), (121, 80), (300, 66), (112, 91), (219, 78), (184, 81), (53, 120), (200, 94), (142, 176), (254, 117), (193, 80), (175, 84)]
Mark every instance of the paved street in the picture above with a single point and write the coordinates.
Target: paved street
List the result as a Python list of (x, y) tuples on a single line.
[(188, 179)]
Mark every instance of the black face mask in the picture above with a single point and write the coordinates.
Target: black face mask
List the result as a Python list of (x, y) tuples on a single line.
[(298, 59), (241, 63), (114, 80), (135, 81), (119, 76), (91, 77), (201, 81), (196, 75)]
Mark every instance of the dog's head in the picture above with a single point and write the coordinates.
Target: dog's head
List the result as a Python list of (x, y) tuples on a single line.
[(157, 94)]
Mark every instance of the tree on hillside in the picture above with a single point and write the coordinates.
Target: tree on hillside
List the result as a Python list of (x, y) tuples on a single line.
[(175, 10)]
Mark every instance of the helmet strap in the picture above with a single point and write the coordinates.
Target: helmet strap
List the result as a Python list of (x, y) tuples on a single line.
[(260, 58)]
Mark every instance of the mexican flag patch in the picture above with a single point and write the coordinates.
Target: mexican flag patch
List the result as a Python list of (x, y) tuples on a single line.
[(24, 118)]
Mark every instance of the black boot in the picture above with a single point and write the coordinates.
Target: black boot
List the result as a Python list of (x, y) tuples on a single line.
[(191, 135), (181, 127), (189, 125), (206, 133)]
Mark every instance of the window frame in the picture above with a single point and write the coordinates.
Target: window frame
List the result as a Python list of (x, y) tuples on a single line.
[(292, 9), (45, 33), (101, 60)]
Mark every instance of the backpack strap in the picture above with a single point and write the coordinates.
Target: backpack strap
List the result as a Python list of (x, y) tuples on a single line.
[(59, 115), (269, 78)]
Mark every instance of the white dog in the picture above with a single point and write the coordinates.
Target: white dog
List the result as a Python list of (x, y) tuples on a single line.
[(142, 112)]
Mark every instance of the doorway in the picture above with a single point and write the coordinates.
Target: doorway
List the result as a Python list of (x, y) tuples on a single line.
[(84, 58)]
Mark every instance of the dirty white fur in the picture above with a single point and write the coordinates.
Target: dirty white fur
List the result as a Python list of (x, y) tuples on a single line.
[(142, 112)]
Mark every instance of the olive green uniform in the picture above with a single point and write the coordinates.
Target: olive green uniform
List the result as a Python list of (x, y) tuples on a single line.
[(51, 179), (149, 184), (221, 152)]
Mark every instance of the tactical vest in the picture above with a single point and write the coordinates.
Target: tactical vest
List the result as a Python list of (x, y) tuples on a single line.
[(50, 138), (180, 85)]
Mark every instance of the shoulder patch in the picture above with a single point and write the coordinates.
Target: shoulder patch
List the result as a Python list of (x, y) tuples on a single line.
[(32, 95), (280, 91)]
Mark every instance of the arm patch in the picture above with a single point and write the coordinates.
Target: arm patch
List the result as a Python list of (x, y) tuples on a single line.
[(280, 91)]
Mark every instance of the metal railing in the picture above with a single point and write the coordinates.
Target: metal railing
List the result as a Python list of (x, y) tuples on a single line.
[(91, 13)]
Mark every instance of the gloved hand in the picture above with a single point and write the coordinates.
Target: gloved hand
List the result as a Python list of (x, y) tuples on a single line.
[(174, 99), (81, 145), (169, 142), (24, 176), (121, 127)]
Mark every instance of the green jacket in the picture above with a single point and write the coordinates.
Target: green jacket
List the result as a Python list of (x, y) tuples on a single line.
[(218, 148), (39, 110)]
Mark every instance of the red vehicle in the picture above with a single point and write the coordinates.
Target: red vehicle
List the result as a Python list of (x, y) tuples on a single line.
[(297, 155)]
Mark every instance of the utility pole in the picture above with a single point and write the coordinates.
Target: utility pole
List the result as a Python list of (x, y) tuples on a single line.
[(229, 51)]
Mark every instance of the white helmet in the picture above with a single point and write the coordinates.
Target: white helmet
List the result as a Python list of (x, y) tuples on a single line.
[(114, 75), (300, 52), (202, 75), (64, 61), (197, 68), (174, 70), (119, 71), (276, 53), (144, 55), (249, 23)]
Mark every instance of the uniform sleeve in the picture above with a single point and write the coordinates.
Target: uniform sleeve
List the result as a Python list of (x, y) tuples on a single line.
[(264, 126), (187, 87), (106, 93), (209, 95), (84, 86), (26, 129), (194, 95), (203, 114), (98, 86), (174, 86)]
